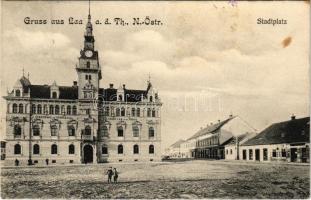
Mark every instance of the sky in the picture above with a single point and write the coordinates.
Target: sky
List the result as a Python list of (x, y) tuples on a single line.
[(208, 60)]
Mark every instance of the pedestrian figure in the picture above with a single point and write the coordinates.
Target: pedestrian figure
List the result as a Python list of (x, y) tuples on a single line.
[(47, 161), (109, 173), (115, 175), (16, 162)]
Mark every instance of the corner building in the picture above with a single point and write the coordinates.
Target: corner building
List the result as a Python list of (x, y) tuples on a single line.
[(82, 123)]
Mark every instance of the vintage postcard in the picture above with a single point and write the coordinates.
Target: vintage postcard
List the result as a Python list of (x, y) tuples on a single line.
[(155, 99)]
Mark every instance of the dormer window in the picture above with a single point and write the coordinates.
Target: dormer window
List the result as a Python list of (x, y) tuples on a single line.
[(17, 93), (54, 95), (120, 97)]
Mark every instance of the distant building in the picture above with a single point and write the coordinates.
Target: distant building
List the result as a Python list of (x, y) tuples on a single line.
[(174, 151), (3, 144), (286, 141)]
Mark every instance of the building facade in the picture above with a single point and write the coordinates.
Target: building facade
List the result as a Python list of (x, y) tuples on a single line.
[(287, 141), (82, 123)]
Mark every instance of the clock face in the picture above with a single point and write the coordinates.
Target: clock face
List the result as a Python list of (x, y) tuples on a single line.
[(88, 53)]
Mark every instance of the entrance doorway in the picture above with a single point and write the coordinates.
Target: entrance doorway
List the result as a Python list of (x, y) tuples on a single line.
[(257, 154), (293, 154), (87, 154)]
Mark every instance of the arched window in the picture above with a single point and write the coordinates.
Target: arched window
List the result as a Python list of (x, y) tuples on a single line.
[(151, 132), (14, 108), (120, 149), (54, 95), (57, 110), (88, 130), (150, 98), (148, 112), (36, 149), (39, 109), (51, 110), (133, 112), (36, 130), (68, 110), (71, 149), (118, 112), (153, 113), (138, 112), (17, 93), (104, 149), (71, 130), (122, 112), (74, 110), (54, 130), (33, 108), (54, 149), (17, 130), (135, 149), (17, 149), (151, 149), (135, 131), (120, 131), (21, 108), (105, 131), (120, 97)]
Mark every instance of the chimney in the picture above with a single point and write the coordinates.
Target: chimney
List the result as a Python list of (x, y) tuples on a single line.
[(218, 121), (230, 116), (75, 83), (211, 123), (110, 85), (293, 117), (123, 86)]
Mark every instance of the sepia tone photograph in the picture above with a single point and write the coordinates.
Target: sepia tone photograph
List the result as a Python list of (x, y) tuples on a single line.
[(155, 99)]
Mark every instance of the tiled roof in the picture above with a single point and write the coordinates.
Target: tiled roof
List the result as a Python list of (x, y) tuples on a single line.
[(43, 92), (110, 94), (210, 129), (292, 131), (177, 144), (242, 137)]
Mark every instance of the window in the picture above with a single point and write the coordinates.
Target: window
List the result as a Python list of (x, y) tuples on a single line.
[(39, 109), (86, 77), (90, 77), (54, 95), (88, 111), (118, 112), (283, 153), (153, 113), (71, 149), (120, 131), (74, 110), (274, 153), (265, 154), (227, 151), (88, 130), (120, 149), (120, 97), (105, 131), (51, 110), (17, 149), (88, 64), (106, 113), (135, 149), (230, 151), (250, 154), (122, 112), (151, 98), (151, 132), (133, 112), (21, 108), (36, 149), (244, 154), (71, 131), (57, 110), (54, 149), (54, 130), (148, 112), (135, 131), (68, 110), (36, 130), (33, 109), (104, 149), (17, 130), (17, 93), (138, 112), (151, 149), (14, 108)]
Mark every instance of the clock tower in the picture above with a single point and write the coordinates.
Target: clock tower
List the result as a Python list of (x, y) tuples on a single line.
[(88, 68)]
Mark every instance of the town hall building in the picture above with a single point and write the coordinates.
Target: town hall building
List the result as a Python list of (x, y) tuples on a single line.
[(82, 123)]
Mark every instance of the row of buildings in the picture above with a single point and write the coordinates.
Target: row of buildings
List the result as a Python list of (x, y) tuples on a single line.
[(82, 123), (286, 141)]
